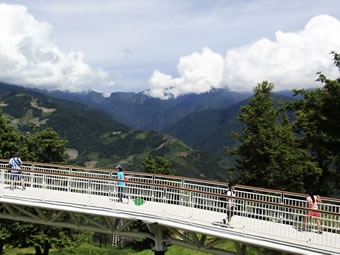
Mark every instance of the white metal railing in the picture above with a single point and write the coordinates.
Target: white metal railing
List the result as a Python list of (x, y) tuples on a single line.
[(205, 186), (253, 203)]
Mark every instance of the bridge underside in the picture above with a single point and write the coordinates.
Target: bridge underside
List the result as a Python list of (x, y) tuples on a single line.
[(161, 235)]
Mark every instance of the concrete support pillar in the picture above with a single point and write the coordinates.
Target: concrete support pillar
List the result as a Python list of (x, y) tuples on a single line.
[(160, 246)]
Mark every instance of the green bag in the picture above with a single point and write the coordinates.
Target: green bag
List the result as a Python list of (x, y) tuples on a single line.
[(138, 201)]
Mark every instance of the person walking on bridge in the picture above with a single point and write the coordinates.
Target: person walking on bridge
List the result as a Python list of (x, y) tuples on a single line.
[(121, 184), (312, 203), (15, 164), (230, 203)]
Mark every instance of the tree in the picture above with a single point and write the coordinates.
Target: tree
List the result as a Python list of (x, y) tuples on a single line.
[(269, 154), (157, 165), (317, 120), (5, 234), (293, 160), (43, 237), (48, 146), (11, 141), (45, 146)]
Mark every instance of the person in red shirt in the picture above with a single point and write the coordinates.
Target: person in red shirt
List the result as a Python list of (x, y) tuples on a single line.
[(312, 203)]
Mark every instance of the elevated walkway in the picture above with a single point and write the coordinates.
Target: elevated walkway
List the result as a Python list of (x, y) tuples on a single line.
[(177, 210)]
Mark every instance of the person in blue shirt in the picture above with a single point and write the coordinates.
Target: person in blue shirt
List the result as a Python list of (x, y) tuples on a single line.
[(15, 163), (121, 184)]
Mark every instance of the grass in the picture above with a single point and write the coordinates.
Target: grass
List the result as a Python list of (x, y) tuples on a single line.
[(87, 249), (90, 249)]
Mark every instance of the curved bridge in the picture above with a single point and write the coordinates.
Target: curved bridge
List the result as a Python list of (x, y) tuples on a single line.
[(177, 210)]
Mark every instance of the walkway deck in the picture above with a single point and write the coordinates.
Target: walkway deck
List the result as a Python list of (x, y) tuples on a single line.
[(275, 233)]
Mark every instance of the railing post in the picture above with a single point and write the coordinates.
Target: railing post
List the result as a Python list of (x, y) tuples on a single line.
[(3, 176), (69, 184), (182, 195), (165, 195), (89, 186), (32, 176), (153, 189), (191, 198), (44, 181)]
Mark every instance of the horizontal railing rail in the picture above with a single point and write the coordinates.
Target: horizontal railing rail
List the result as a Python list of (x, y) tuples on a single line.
[(186, 194), (100, 184), (174, 181)]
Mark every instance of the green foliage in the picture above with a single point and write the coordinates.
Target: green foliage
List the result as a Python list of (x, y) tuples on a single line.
[(94, 137), (47, 146), (44, 146), (90, 249), (11, 141), (157, 165), (5, 233), (211, 130), (317, 121), (16, 105), (44, 237), (41, 237), (269, 153), (206, 130)]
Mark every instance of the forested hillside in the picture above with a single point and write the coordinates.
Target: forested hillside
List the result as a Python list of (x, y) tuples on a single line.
[(95, 139), (281, 144), (140, 111), (204, 122), (211, 130)]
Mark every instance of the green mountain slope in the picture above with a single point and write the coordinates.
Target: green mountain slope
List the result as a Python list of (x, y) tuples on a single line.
[(143, 112), (95, 139), (211, 130)]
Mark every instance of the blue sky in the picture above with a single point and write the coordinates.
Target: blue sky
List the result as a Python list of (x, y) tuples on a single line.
[(168, 47)]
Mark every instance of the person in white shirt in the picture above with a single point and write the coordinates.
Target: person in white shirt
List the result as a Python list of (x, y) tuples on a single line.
[(230, 203), (15, 164)]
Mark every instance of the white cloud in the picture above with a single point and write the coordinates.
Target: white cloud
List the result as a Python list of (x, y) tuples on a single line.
[(29, 57), (291, 60), (200, 72), (130, 40)]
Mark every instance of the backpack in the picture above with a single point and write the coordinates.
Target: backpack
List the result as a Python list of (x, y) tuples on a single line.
[(232, 192), (16, 162)]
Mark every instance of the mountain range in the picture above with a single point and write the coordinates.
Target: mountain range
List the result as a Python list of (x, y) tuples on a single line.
[(95, 139), (202, 121), (140, 111), (190, 130)]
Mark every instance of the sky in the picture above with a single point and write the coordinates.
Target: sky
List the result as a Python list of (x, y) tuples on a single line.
[(167, 48)]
